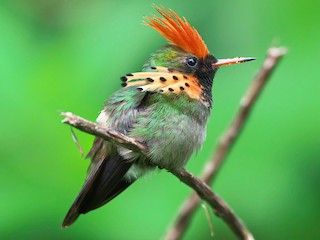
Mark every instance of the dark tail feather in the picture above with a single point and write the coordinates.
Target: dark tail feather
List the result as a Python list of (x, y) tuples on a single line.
[(103, 184), (70, 218), (73, 212)]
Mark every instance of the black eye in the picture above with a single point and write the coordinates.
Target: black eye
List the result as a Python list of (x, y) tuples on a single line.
[(192, 61)]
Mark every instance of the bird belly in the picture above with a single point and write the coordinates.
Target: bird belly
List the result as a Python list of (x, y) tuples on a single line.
[(171, 130)]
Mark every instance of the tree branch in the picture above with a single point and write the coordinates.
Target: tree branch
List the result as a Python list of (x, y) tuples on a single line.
[(99, 131), (226, 141), (220, 207)]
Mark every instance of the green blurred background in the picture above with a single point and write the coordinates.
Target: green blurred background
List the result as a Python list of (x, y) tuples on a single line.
[(68, 56)]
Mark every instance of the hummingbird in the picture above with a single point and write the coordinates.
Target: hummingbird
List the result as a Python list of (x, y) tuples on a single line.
[(166, 106)]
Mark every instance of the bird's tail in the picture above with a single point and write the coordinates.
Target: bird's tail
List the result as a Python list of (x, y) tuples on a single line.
[(104, 182)]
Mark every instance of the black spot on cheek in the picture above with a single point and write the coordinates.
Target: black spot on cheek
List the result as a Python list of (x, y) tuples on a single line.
[(175, 78), (187, 84), (153, 68), (163, 79), (181, 88), (129, 74), (185, 77), (170, 89), (150, 79), (161, 91), (123, 84), (123, 79), (139, 88)]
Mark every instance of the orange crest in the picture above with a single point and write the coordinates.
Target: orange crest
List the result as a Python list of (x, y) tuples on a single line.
[(179, 32)]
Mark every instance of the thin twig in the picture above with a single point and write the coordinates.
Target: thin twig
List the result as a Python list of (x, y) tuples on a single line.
[(226, 141), (220, 207), (76, 141), (209, 219)]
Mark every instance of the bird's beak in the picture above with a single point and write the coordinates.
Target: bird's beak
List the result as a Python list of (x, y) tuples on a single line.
[(229, 61)]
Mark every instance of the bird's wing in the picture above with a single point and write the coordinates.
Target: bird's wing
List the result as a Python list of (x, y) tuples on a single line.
[(105, 178), (120, 114)]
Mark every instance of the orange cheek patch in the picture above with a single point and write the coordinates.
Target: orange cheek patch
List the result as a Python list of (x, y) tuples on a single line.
[(165, 82)]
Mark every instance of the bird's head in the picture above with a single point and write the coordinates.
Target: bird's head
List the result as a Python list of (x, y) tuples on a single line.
[(185, 66)]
